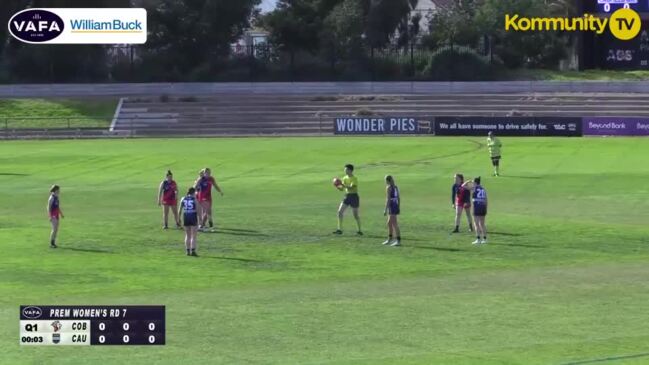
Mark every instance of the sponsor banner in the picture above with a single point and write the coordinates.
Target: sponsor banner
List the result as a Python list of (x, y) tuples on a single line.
[(508, 126), (381, 125), (607, 126), (80, 26)]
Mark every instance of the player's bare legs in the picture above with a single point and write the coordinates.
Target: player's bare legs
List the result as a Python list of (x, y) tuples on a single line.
[(174, 210), (55, 231), (396, 230), (165, 216), (188, 239), (357, 216), (390, 230), (194, 234), (458, 214), (469, 219), (208, 214), (341, 214)]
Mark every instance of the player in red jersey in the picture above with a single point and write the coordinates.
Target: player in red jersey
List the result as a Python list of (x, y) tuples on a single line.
[(54, 212), (197, 187), (205, 197), (168, 199), (461, 201)]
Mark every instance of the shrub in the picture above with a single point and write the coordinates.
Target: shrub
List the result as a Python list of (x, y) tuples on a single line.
[(458, 64)]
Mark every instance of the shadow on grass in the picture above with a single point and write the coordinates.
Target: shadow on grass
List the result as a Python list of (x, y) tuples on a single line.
[(90, 250), (12, 174), (235, 233), (608, 359), (443, 249), (504, 234), (521, 177), (404, 238), (237, 230), (231, 259), (514, 245)]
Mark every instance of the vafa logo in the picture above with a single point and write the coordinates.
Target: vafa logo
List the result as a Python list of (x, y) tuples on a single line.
[(36, 25)]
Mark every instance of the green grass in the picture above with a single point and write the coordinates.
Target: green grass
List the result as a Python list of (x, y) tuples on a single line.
[(586, 75), (565, 277), (56, 113)]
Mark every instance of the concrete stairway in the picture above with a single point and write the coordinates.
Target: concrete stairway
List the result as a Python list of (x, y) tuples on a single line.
[(300, 114)]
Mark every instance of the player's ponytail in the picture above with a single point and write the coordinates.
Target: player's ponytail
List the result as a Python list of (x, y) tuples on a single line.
[(389, 179), (54, 188), (169, 173)]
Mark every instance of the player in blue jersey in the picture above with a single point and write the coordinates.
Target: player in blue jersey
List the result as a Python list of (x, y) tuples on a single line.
[(392, 210), (189, 209), (480, 204)]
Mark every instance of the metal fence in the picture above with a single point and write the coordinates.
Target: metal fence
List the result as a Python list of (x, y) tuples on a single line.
[(265, 63)]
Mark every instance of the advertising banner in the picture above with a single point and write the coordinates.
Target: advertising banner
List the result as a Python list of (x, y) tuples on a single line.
[(381, 125), (608, 126), (508, 126)]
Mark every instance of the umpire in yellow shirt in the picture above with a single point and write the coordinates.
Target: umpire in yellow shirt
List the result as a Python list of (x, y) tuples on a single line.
[(494, 145), (350, 185)]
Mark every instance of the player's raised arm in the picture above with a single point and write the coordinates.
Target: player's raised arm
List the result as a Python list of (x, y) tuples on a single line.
[(469, 185)]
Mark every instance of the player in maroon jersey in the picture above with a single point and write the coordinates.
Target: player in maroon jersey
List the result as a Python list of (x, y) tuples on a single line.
[(461, 201), (54, 212), (205, 197), (168, 199)]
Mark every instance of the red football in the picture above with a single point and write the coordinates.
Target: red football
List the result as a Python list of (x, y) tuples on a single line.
[(337, 182)]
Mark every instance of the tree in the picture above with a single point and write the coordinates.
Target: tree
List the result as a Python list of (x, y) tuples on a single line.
[(516, 49), (297, 24), (54, 63), (383, 19), (185, 35)]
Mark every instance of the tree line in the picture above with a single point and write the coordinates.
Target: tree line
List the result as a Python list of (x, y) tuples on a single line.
[(191, 40)]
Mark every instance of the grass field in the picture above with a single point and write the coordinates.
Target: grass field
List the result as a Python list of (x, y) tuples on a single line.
[(564, 279), (56, 113)]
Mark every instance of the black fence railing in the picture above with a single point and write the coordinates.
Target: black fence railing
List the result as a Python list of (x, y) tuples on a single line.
[(265, 63)]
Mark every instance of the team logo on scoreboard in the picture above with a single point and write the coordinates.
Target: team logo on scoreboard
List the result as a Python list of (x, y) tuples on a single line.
[(56, 337), (32, 312), (56, 326)]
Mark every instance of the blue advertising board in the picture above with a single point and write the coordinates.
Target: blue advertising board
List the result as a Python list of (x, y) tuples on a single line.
[(381, 125)]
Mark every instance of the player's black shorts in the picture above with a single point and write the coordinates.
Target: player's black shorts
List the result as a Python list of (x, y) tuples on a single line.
[(495, 159), (190, 220), (394, 209), (352, 200), (479, 210)]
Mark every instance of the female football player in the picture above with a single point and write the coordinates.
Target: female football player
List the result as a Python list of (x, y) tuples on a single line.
[(54, 212), (188, 208), (205, 197), (168, 199), (461, 201), (392, 210), (480, 204)]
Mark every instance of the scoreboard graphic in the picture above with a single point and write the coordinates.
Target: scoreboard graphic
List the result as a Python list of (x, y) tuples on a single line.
[(92, 325), (610, 6)]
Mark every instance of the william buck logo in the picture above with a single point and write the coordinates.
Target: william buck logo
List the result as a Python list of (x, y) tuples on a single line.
[(36, 25), (80, 26), (624, 24)]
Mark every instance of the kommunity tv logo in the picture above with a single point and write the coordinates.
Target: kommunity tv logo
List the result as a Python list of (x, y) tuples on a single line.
[(624, 24)]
